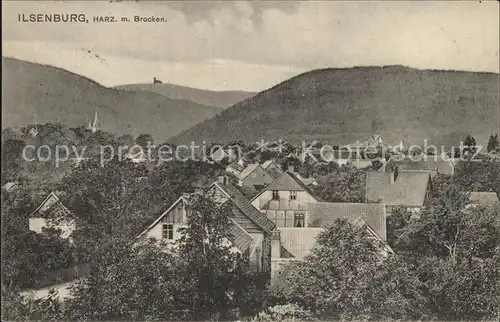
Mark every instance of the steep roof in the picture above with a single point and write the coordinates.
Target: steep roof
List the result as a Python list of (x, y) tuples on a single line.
[(245, 206), (249, 169), (287, 182), (408, 189), (266, 164), (51, 207), (323, 214), (239, 237), (484, 199), (272, 168), (165, 213)]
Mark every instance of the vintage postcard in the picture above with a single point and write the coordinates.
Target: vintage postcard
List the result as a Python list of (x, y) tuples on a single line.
[(250, 160)]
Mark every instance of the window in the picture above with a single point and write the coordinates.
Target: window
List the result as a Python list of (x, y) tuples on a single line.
[(168, 231), (293, 195), (299, 220), (276, 194)]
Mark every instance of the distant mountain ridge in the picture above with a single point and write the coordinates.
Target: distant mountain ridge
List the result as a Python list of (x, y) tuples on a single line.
[(52, 94), (222, 99), (340, 106)]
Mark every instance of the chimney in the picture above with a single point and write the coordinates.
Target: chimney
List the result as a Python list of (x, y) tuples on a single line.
[(222, 180), (275, 244), (393, 175)]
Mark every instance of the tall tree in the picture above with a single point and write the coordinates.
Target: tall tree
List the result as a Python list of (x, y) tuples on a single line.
[(209, 262), (493, 144), (343, 184)]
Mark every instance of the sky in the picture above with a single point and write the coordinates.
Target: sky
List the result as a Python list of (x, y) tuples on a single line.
[(252, 45)]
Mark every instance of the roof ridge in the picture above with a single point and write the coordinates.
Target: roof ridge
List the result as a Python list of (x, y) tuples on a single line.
[(241, 196)]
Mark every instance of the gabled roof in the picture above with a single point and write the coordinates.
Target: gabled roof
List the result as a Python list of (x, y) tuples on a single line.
[(484, 199), (409, 188), (323, 214), (272, 168), (249, 169), (245, 206), (379, 242), (287, 182), (240, 238), (165, 213), (49, 206)]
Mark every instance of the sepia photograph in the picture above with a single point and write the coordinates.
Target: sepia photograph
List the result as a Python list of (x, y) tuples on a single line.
[(250, 160)]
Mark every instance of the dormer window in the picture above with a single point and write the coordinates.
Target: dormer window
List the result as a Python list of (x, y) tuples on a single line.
[(276, 194), (168, 231)]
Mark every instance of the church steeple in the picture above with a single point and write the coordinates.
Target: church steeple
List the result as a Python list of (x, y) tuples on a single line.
[(94, 125)]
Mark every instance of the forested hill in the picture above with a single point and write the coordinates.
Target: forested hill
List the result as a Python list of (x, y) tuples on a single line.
[(222, 99), (34, 92), (341, 106)]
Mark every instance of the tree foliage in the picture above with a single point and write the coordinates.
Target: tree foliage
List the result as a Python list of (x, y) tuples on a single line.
[(344, 184), (345, 278)]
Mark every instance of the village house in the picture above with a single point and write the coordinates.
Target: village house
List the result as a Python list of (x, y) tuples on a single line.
[(235, 168), (398, 189), (433, 164), (272, 167), (250, 229), (300, 216), (254, 176), (51, 213), (285, 201)]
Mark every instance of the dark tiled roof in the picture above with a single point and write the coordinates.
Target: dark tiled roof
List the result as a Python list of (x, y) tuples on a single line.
[(246, 207), (323, 214), (249, 169), (287, 182), (409, 188), (239, 237)]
